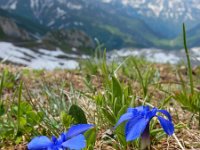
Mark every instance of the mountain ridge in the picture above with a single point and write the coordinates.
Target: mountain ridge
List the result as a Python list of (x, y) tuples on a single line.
[(114, 23)]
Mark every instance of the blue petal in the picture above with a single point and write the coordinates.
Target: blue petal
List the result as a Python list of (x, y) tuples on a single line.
[(146, 108), (130, 110), (151, 114), (54, 148), (54, 139), (61, 138), (124, 117), (166, 125), (135, 128), (75, 143), (38, 143), (77, 129), (139, 108), (166, 113)]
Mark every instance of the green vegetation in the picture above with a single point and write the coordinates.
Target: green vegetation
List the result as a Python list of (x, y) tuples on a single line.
[(189, 96), (2, 35), (39, 102)]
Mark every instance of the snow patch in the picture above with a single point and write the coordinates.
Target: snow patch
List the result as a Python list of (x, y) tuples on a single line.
[(106, 1), (149, 54), (156, 9), (51, 23), (34, 3), (13, 5), (60, 12), (74, 6), (41, 59)]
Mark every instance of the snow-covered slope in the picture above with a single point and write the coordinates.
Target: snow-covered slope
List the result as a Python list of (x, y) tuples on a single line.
[(166, 16), (187, 10), (45, 59), (184, 10), (177, 10), (40, 59), (158, 55)]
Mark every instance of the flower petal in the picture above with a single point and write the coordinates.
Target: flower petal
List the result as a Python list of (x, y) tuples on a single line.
[(61, 138), (38, 143), (139, 108), (54, 139), (124, 117), (135, 127), (166, 125), (166, 113), (151, 114), (76, 143), (77, 129)]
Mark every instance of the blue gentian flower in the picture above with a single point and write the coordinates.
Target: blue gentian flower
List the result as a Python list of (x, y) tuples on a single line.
[(137, 123), (73, 139)]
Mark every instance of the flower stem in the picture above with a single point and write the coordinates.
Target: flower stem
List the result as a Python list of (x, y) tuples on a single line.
[(179, 143), (145, 139)]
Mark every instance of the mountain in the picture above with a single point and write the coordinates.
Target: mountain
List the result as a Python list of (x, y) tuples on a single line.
[(164, 16), (193, 36), (24, 32), (116, 23), (27, 24), (8, 28), (108, 23)]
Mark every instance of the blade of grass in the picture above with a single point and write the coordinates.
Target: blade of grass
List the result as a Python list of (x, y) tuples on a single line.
[(18, 107), (1, 85), (188, 60), (119, 66), (141, 80)]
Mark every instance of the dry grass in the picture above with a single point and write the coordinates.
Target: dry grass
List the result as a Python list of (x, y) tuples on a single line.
[(189, 135)]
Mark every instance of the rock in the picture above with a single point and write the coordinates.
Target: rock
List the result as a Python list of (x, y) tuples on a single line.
[(10, 29), (108, 134), (69, 39)]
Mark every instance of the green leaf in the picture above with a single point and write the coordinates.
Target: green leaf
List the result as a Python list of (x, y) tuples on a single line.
[(90, 136), (40, 116), (25, 107), (22, 122), (33, 118), (2, 110), (111, 117), (18, 140), (120, 134), (122, 111), (117, 105), (116, 88), (66, 119), (78, 114)]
